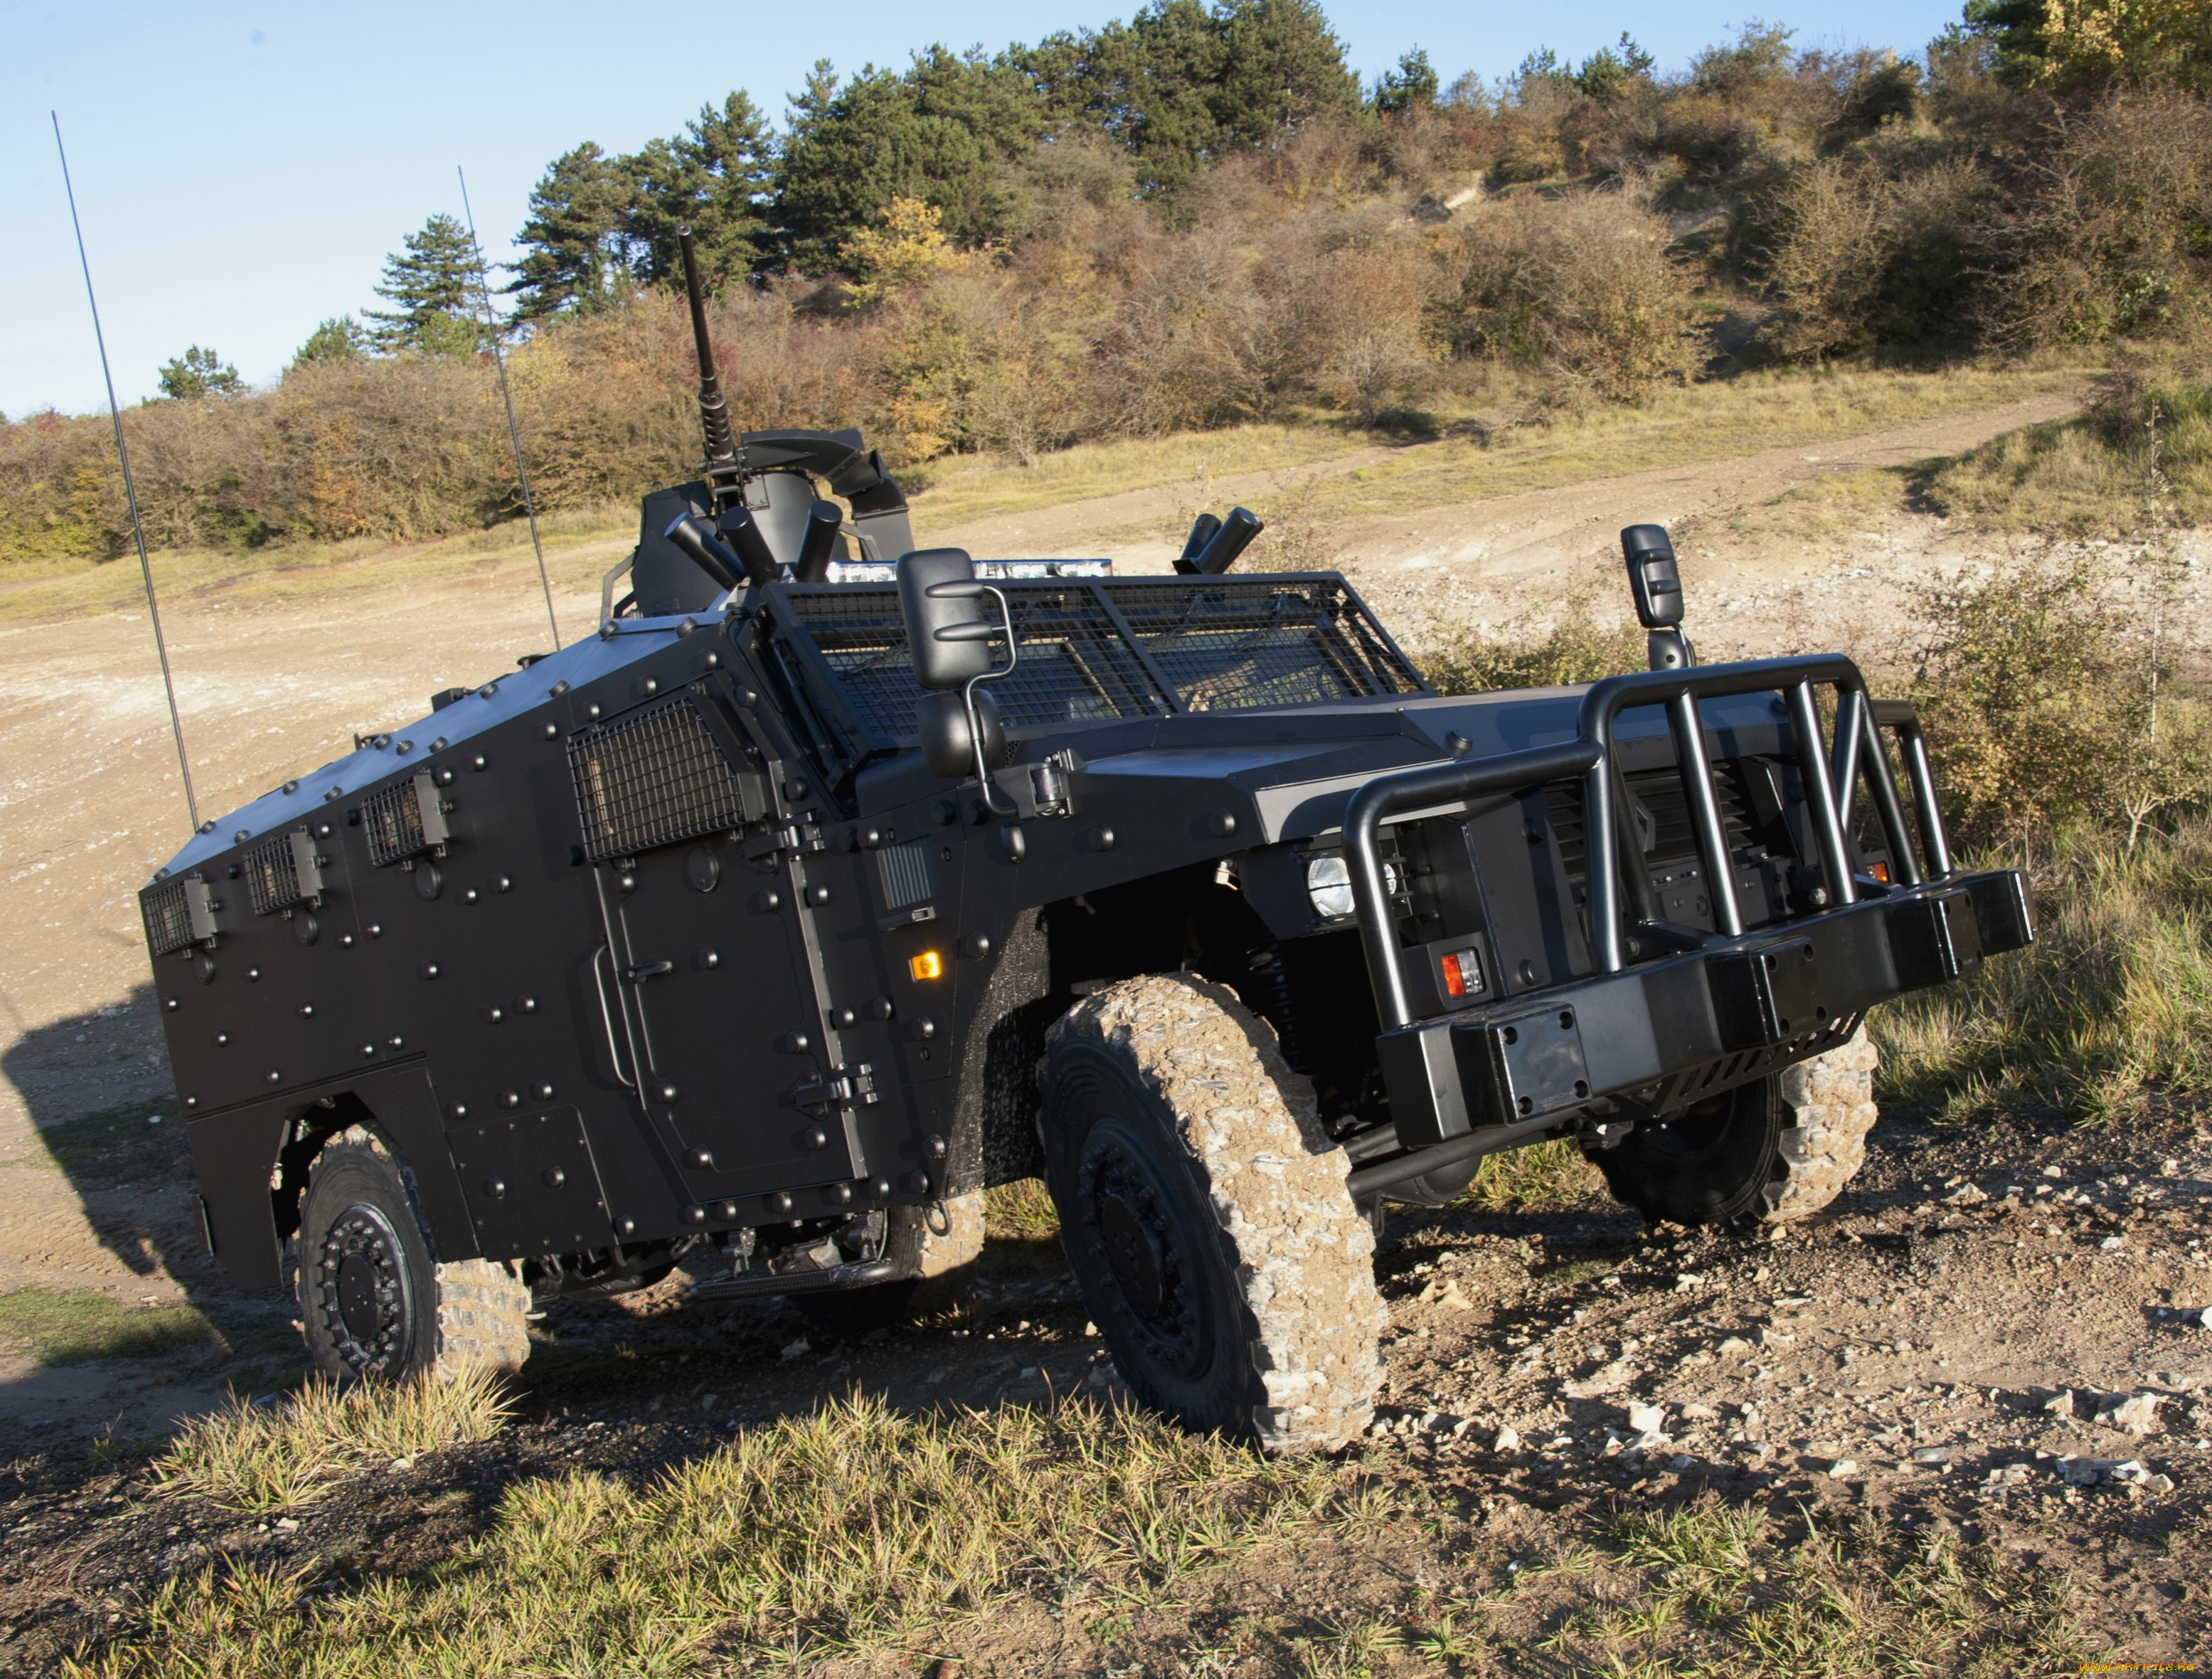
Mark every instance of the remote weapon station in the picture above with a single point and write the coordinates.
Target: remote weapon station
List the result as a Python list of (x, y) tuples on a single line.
[(834, 880)]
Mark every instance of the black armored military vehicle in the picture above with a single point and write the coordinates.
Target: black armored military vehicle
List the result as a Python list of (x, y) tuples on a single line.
[(832, 881)]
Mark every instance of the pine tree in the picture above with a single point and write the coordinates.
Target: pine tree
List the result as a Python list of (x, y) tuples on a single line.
[(198, 373), (341, 340), (434, 283), (575, 250), (711, 177)]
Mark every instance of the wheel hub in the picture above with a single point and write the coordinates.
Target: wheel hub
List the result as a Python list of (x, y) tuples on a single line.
[(364, 1297), (1134, 1254), (1131, 1227)]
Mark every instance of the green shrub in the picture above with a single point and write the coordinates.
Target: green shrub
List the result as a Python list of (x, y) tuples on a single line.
[(2040, 689), (1577, 647)]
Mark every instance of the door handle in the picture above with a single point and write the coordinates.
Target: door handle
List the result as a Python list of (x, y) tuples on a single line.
[(646, 971), (606, 1019)]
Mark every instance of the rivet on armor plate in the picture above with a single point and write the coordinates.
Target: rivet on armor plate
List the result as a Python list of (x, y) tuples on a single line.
[(838, 1194), (545, 1093), (553, 1177), (666, 1092), (510, 1098)]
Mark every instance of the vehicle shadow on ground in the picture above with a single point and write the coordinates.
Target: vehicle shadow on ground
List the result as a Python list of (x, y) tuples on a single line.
[(112, 1315)]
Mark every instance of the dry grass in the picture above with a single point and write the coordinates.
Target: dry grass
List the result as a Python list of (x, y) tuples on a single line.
[(852, 1529), (2141, 457), (1020, 1212), (2113, 997), (580, 547), (77, 1326), (249, 1456), (1542, 1177)]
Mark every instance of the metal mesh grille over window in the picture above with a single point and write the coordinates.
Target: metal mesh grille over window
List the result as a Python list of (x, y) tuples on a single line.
[(271, 876), (1075, 666), (168, 923), (393, 821), (1122, 649), (650, 780), (1256, 642), (909, 874)]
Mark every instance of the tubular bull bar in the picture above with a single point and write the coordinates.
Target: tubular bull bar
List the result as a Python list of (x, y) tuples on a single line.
[(1742, 1004)]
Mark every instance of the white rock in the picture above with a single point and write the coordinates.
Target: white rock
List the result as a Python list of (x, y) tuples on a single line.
[(1843, 1466), (2112, 1243), (1968, 1195), (1645, 1419), (2138, 1415), (2062, 1404), (1932, 1456), (1614, 1377), (1733, 1345), (797, 1349), (1771, 1337), (1508, 1439), (1698, 1411)]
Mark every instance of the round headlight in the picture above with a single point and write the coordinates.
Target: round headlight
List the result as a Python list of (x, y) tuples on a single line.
[(1329, 884)]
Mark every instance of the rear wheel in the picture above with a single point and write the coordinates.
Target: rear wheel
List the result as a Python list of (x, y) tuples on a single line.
[(1770, 1152), (373, 1298), (1203, 1208)]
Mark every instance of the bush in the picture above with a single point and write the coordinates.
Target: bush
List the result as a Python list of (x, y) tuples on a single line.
[(2110, 233), (2040, 693), (1579, 288), (1575, 648)]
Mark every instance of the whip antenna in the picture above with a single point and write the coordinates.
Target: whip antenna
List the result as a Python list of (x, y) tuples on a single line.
[(130, 495), (514, 435)]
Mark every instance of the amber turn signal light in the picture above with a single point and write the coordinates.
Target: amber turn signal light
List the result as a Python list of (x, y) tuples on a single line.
[(928, 965)]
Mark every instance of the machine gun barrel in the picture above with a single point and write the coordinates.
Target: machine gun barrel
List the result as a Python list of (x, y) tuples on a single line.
[(714, 417)]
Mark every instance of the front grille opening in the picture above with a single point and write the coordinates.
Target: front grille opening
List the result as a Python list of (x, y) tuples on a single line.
[(651, 779)]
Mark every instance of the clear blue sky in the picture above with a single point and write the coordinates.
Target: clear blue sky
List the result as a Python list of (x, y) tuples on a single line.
[(243, 170)]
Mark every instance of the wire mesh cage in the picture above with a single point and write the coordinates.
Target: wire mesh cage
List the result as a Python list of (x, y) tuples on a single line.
[(1096, 650), (168, 919), (651, 779), (271, 876), (392, 818)]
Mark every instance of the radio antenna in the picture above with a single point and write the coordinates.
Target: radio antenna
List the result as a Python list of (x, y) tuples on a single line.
[(506, 395), (130, 495)]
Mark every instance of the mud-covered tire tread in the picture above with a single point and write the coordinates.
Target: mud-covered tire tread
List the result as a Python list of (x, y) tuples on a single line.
[(1820, 1111), (1828, 1109), (479, 1309), (1302, 1256)]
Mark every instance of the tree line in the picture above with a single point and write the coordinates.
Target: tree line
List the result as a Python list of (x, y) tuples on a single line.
[(1200, 217)]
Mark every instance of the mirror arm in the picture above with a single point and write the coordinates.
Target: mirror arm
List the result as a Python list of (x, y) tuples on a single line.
[(967, 695)]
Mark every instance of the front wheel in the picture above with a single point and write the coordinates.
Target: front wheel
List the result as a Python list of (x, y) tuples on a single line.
[(1204, 1211), (1771, 1152), (374, 1299)]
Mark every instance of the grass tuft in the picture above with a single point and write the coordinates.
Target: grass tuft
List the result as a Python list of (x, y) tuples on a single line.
[(851, 1529), (2113, 999), (270, 1456)]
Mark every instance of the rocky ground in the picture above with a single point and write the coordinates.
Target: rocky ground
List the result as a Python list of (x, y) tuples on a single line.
[(1997, 1335)]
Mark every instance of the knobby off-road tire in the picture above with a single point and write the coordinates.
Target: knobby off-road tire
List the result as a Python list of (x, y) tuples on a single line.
[(1203, 1208), (1771, 1152), (373, 1297)]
